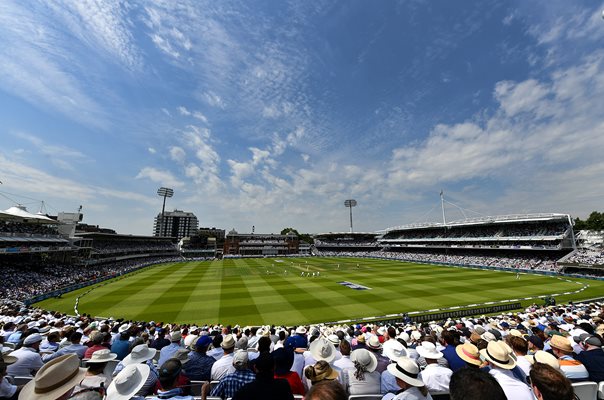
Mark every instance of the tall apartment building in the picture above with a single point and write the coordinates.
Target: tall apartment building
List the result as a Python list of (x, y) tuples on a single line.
[(176, 224)]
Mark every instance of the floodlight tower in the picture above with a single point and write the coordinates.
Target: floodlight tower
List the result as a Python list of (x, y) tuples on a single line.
[(164, 192), (350, 203)]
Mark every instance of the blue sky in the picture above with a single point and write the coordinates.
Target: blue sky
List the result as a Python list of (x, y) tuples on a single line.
[(272, 113)]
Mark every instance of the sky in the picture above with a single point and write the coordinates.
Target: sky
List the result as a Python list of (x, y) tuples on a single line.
[(272, 113)]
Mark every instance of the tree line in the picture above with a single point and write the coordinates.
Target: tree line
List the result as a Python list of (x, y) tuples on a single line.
[(595, 222)]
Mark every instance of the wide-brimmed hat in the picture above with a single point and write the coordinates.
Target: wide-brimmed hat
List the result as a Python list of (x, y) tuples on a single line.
[(182, 355), (322, 349), (428, 350), (123, 328), (365, 358), (300, 330), (228, 342), (102, 356), (561, 343), (54, 379), (544, 357), (407, 370), (139, 354), (374, 343), (8, 360), (323, 371), (469, 353), (334, 339), (499, 355), (33, 338), (190, 340), (128, 382), (395, 350)]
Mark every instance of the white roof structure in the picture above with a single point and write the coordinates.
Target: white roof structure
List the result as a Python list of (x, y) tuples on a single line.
[(21, 212)]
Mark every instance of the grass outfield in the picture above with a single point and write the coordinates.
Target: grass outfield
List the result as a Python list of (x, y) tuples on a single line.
[(271, 290)]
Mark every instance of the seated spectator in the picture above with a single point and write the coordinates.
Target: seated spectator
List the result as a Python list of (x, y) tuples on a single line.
[(501, 364), (7, 389), (319, 372), (224, 365), (199, 367), (169, 373), (121, 345), (469, 353), (550, 384), (28, 360), (168, 352), (284, 360), (450, 342), (592, 356), (571, 368), (129, 381), (74, 347), (231, 383), (265, 386), (363, 379), (520, 348), (51, 343), (344, 362), (434, 376), (95, 376), (55, 380), (140, 354), (406, 372), (474, 384), (327, 390), (95, 343)]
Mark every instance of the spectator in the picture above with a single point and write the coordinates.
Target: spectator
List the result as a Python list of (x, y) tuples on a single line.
[(550, 384), (469, 354), (449, 342), (502, 363), (284, 360), (28, 360), (199, 367), (95, 343), (95, 374), (571, 368), (327, 390), (140, 354), (168, 352), (231, 383), (345, 361), (406, 372), (169, 373), (265, 386), (320, 371), (55, 380), (592, 356), (129, 381), (434, 376), (74, 347), (7, 389), (474, 384), (224, 366), (363, 379)]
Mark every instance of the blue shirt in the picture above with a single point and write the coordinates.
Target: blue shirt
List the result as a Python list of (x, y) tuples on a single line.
[(167, 352), (455, 362), (199, 367), (121, 348), (231, 383)]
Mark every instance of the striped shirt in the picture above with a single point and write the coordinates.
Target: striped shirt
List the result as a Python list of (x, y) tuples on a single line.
[(573, 369)]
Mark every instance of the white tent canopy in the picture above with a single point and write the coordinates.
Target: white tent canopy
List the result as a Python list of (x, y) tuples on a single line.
[(21, 212)]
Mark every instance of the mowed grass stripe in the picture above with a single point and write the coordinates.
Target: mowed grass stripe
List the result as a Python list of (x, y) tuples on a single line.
[(232, 309), (203, 303)]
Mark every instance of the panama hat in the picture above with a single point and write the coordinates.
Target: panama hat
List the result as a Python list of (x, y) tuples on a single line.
[(128, 382), (54, 379), (228, 342), (374, 343), (498, 354), (102, 356), (300, 330), (428, 350), (469, 353), (8, 360), (123, 328), (139, 354), (365, 358), (544, 357), (406, 370), (395, 351), (322, 349), (321, 371), (561, 343)]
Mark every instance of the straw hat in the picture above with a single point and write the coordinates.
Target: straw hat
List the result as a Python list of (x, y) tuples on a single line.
[(228, 342), (8, 360), (102, 356), (395, 351), (544, 357), (128, 382), (139, 354), (428, 350), (322, 371), (497, 354), (406, 370), (322, 349), (469, 353), (54, 379), (374, 343), (365, 358), (561, 343)]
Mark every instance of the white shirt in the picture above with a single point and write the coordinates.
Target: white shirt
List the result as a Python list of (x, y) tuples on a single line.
[(344, 363), (222, 367), (28, 360), (524, 364), (412, 393), (7, 389), (436, 378), (513, 388), (298, 365)]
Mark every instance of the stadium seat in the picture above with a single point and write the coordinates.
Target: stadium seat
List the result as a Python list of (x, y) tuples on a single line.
[(440, 395), (213, 384), (586, 390), (196, 387), (376, 396), (298, 397), (10, 345), (22, 380), (601, 390)]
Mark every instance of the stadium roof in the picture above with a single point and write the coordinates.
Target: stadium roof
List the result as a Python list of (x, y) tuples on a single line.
[(497, 219), (346, 233), (21, 212)]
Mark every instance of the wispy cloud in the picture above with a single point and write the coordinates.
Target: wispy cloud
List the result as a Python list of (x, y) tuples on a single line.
[(161, 177)]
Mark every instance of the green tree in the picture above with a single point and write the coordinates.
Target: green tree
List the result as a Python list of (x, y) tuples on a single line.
[(304, 237), (594, 222)]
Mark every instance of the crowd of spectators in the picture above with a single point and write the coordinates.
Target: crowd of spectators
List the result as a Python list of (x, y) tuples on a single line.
[(585, 256), (481, 231), (345, 243), (104, 246), (498, 260), (479, 357), (25, 280), (20, 229)]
